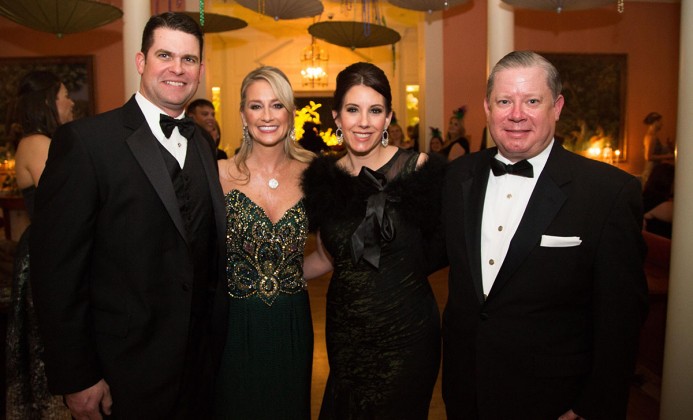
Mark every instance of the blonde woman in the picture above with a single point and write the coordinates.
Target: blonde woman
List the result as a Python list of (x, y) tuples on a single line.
[(266, 366)]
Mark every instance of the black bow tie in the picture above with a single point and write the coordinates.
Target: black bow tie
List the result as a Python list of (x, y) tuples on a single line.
[(186, 126), (521, 168)]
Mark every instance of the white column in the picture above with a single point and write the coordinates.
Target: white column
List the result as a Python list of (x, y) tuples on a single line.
[(677, 377), (431, 75), (136, 13), (501, 31), (501, 38)]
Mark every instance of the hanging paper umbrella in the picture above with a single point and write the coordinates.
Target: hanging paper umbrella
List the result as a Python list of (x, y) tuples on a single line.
[(215, 22), (354, 34), (427, 5), (59, 16), (284, 9), (562, 5)]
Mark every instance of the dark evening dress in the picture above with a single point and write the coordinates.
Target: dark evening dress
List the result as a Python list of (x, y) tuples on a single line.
[(266, 367), (382, 320), (27, 388)]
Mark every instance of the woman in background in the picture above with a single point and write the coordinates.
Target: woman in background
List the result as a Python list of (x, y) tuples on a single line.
[(374, 208), (42, 105), (456, 143), (656, 151), (266, 367), (436, 143)]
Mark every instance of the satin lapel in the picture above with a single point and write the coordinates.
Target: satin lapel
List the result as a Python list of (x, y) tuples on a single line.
[(211, 171), (146, 150), (473, 195), (545, 202)]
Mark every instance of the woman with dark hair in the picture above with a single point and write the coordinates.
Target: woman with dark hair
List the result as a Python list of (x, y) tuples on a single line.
[(42, 104), (656, 151), (266, 366), (435, 145), (374, 209), (456, 143)]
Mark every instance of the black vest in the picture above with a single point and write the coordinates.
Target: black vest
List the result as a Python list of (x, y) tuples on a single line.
[(195, 204)]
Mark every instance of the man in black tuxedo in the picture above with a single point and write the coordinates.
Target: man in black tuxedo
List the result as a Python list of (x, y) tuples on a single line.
[(126, 244), (546, 291)]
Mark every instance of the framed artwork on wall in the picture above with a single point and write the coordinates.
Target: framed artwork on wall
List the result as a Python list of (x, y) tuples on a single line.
[(593, 118), (76, 72)]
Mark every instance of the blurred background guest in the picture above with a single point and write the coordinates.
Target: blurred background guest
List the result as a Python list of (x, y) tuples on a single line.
[(656, 150), (42, 104), (456, 142), (202, 112), (658, 200), (436, 143)]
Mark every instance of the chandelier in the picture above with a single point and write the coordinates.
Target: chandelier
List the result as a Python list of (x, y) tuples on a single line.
[(314, 65)]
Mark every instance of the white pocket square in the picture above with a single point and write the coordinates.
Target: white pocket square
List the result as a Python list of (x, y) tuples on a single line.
[(560, 241)]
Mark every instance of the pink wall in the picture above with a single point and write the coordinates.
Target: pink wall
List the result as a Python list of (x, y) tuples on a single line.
[(647, 32), (105, 44)]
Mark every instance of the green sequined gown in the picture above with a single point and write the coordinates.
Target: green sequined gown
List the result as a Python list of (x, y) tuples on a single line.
[(266, 367)]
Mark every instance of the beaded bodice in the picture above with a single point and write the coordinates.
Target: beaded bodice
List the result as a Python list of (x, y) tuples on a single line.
[(263, 258)]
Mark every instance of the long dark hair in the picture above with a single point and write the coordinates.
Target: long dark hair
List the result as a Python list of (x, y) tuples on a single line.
[(35, 108), (365, 74)]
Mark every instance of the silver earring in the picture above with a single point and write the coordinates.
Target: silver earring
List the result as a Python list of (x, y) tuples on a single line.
[(292, 134), (246, 135), (340, 136), (385, 139)]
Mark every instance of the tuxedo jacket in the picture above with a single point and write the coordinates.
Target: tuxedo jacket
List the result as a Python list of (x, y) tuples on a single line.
[(560, 325), (111, 266)]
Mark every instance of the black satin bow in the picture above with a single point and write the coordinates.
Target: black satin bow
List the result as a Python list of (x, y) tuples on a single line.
[(186, 126), (376, 226), (521, 168)]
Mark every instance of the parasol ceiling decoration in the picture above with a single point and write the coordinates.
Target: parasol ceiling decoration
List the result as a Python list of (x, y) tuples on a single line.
[(369, 31), (563, 5), (427, 5), (214, 22), (354, 34), (59, 16), (284, 9)]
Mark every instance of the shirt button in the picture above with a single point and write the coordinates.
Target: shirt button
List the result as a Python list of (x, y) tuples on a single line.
[(491, 262), (500, 228), (509, 196)]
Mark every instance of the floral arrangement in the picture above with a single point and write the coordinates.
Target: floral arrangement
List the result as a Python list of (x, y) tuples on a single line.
[(309, 114)]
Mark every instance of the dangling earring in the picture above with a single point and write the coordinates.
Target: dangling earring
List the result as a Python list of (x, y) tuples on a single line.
[(246, 135), (340, 136), (385, 139), (292, 134)]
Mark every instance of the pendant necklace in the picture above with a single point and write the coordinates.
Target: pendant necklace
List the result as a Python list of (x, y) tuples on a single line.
[(273, 183)]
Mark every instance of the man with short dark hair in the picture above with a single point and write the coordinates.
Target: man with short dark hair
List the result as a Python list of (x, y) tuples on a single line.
[(546, 291), (126, 244)]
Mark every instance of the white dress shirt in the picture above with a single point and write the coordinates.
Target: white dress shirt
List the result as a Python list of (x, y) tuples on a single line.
[(177, 145), (505, 203)]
